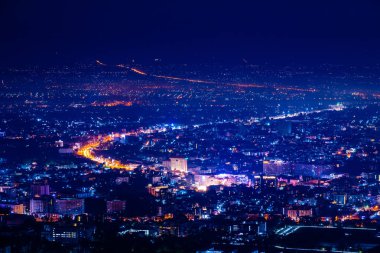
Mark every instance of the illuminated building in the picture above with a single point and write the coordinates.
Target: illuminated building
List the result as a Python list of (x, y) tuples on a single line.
[(296, 213), (15, 208), (265, 182), (158, 190), (36, 206), (262, 228), (282, 181), (42, 205), (18, 209), (156, 179), (202, 213), (40, 189), (166, 163), (116, 206), (63, 235), (178, 164), (4, 188), (204, 181), (276, 167), (340, 199), (69, 206), (58, 144), (66, 234), (120, 180)]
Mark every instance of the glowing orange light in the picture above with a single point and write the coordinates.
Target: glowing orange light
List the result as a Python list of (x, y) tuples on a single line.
[(139, 71), (86, 151), (112, 103)]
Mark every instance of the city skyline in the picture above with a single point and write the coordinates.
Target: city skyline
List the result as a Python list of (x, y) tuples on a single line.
[(190, 126)]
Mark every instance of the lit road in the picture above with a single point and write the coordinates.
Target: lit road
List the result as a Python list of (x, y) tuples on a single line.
[(87, 150), (183, 79), (292, 115)]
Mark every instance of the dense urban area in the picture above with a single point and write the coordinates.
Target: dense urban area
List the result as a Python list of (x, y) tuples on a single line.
[(189, 158)]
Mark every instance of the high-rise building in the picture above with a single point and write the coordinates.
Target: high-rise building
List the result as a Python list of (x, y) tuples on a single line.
[(42, 205), (178, 164), (36, 206)]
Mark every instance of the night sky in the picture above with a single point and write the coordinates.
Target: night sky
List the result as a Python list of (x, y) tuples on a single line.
[(305, 32)]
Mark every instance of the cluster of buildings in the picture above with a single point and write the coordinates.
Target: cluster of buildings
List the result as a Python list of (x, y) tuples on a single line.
[(224, 167)]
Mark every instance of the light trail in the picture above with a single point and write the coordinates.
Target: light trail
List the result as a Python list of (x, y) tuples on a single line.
[(292, 115), (137, 71), (287, 230), (183, 79), (87, 151), (247, 85), (294, 89), (143, 73), (100, 63), (112, 103)]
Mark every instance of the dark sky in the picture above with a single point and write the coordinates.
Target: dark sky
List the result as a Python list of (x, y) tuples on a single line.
[(307, 31)]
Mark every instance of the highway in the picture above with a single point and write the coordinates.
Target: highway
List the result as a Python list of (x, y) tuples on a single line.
[(87, 150)]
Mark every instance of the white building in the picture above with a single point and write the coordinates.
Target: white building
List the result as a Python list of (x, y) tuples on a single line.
[(178, 164)]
